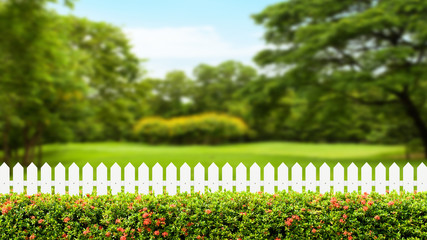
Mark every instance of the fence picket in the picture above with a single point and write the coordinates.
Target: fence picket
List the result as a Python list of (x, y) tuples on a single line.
[(59, 179), (325, 178), (157, 179), (46, 179), (352, 178), (255, 178), (422, 178), (310, 178), (73, 179), (366, 178), (130, 178), (171, 178), (87, 179), (116, 178), (380, 174), (213, 177), (227, 177), (297, 178), (4, 179), (199, 178), (101, 179), (408, 178), (143, 178), (18, 178), (241, 178), (269, 178), (185, 177), (394, 177), (283, 177), (338, 178), (32, 179)]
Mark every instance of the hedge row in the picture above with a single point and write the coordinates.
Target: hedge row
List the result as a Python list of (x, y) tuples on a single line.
[(219, 215), (207, 128)]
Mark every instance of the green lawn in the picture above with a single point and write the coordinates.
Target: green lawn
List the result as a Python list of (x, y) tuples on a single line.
[(248, 153)]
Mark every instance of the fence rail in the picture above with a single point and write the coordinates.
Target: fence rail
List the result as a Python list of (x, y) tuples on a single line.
[(322, 183)]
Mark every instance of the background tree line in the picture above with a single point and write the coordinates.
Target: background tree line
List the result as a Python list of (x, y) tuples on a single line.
[(354, 73)]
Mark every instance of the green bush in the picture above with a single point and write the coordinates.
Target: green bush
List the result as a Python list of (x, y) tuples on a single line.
[(208, 128), (219, 215)]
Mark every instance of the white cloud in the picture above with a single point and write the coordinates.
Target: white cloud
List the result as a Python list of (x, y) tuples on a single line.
[(183, 48), (185, 42)]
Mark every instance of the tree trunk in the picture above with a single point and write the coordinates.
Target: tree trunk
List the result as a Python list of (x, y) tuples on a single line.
[(413, 113)]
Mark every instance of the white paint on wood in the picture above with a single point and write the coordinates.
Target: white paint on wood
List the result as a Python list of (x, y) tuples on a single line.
[(227, 177), (394, 177), (268, 178), (352, 178), (157, 179), (199, 178), (18, 178), (213, 177), (116, 178), (143, 178), (297, 178), (325, 178), (101, 179), (46, 179), (241, 178), (87, 179), (380, 178), (184, 178), (73, 179), (130, 178), (310, 178), (408, 178), (31, 179), (59, 179), (422, 177), (255, 178), (4, 179), (338, 178), (366, 178), (171, 178), (283, 177)]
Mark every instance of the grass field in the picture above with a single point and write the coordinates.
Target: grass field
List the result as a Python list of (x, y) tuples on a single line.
[(248, 153)]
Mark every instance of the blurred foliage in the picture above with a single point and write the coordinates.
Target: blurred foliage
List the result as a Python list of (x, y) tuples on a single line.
[(207, 128)]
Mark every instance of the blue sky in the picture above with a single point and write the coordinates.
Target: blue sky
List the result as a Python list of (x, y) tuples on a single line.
[(180, 34)]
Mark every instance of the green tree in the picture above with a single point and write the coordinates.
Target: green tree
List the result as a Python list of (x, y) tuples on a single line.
[(372, 52)]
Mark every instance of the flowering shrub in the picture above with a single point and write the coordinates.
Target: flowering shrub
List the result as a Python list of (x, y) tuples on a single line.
[(207, 128), (219, 215)]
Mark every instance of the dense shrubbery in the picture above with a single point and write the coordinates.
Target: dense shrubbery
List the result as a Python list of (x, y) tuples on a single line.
[(220, 215), (208, 128)]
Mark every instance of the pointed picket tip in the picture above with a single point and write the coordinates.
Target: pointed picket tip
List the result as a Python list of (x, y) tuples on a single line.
[(408, 165), (310, 165), (32, 165), (45, 165), (143, 165), (198, 165), (115, 165), (17, 165), (241, 165), (87, 165), (283, 165), (185, 165), (129, 165), (422, 165), (394, 165), (366, 165), (296, 166), (4, 165), (338, 165), (255, 165), (213, 165), (352, 165), (227, 165), (157, 165), (101, 165), (59, 165), (171, 165), (269, 165), (324, 165)]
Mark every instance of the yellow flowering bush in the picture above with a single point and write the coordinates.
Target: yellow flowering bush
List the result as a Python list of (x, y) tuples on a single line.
[(207, 128)]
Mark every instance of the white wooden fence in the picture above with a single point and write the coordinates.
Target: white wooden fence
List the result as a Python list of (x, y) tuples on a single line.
[(241, 182)]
